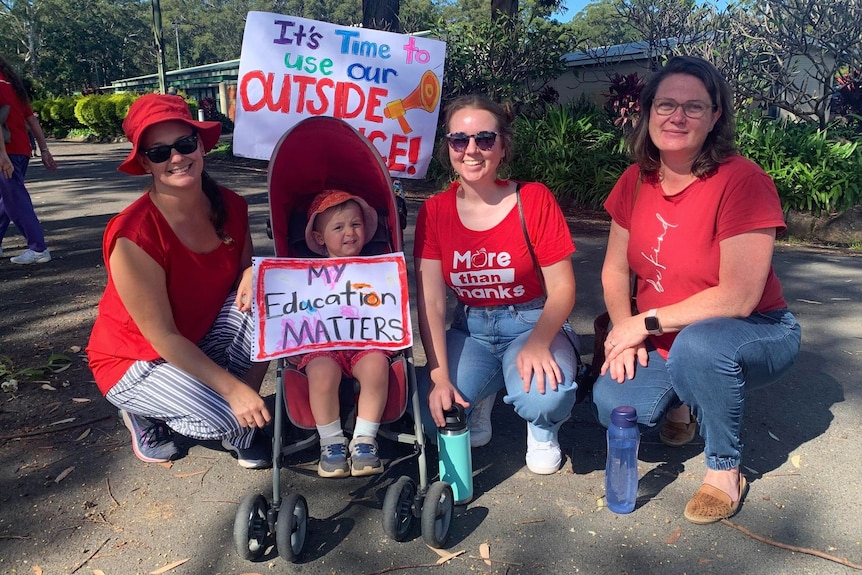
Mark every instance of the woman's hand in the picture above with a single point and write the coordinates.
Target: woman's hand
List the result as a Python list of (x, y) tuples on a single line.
[(244, 291), (441, 397), (537, 359), (247, 405), (624, 345)]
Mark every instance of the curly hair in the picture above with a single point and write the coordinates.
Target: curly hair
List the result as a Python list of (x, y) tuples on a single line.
[(12, 77), (719, 144), (503, 114)]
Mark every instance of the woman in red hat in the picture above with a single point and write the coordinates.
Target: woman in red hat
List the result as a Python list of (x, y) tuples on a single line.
[(171, 344)]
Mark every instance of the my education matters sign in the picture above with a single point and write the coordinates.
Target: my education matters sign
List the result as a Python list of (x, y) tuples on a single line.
[(301, 305), (385, 85)]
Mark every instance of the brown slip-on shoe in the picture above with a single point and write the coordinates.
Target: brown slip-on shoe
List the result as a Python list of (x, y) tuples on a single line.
[(710, 504), (676, 434)]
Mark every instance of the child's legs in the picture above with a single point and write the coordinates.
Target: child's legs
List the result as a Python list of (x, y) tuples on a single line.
[(324, 379), (371, 370)]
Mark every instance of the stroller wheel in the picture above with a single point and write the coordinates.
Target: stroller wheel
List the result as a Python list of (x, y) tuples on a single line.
[(291, 527), (398, 508), (437, 514), (250, 528)]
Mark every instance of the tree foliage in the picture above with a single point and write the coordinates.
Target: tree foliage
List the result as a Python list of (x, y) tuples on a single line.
[(504, 59)]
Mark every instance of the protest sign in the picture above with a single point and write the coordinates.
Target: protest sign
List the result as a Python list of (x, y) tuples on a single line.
[(385, 85), (301, 305)]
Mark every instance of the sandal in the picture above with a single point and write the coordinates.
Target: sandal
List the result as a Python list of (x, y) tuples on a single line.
[(710, 504), (677, 434)]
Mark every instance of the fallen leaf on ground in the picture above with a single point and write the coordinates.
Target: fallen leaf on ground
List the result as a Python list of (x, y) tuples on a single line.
[(815, 302), (69, 420), (445, 555), (773, 436), (98, 572), (75, 348), (64, 474), (81, 400), (674, 537), (48, 387), (169, 566), (485, 552), (795, 460), (84, 435), (37, 570), (192, 474)]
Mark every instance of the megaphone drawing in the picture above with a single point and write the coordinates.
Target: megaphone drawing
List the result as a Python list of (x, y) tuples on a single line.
[(425, 96)]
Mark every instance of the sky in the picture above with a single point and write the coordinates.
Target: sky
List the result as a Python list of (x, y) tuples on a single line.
[(575, 6)]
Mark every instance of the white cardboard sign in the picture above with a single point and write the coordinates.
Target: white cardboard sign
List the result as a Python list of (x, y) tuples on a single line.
[(385, 85), (301, 305)]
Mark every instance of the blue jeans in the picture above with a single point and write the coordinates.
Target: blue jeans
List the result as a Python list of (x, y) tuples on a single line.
[(17, 207), (482, 345), (711, 365)]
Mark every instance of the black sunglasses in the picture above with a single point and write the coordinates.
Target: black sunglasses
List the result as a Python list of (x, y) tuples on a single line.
[(185, 145), (459, 141)]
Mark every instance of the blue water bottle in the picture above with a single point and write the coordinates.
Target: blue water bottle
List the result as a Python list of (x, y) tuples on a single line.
[(621, 469), (456, 461)]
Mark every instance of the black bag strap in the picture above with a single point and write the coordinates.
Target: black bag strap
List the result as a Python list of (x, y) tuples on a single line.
[(539, 272)]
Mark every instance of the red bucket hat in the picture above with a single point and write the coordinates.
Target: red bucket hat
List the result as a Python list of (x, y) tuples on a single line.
[(155, 108), (329, 198)]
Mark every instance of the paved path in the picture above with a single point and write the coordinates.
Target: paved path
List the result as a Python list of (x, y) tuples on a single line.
[(802, 453)]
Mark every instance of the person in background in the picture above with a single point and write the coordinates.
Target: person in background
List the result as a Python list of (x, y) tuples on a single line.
[(171, 345), (696, 223), (339, 225), (16, 206), (507, 333)]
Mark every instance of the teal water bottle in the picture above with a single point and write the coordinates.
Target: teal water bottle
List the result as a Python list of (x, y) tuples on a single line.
[(456, 461)]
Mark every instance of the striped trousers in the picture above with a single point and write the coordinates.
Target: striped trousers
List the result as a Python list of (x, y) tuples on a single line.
[(160, 390)]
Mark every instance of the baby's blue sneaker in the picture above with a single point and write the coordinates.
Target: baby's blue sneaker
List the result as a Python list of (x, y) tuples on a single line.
[(363, 457), (333, 457)]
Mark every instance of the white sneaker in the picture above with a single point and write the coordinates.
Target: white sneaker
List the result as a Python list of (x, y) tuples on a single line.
[(543, 457), (480, 422), (31, 257)]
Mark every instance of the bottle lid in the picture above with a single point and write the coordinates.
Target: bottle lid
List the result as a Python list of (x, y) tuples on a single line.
[(624, 416), (456, 419)]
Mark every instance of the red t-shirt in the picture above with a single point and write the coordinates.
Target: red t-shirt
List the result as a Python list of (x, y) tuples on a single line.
[(19, 111), (493, 267), (197, 284), (674, 241)]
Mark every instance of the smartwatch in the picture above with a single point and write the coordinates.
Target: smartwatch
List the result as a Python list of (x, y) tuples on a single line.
[(652, 324)]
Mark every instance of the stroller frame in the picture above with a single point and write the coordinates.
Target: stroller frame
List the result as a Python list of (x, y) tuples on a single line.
[(315, 154)]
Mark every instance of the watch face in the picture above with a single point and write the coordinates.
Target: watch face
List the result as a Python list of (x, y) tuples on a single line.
[(652, 324)]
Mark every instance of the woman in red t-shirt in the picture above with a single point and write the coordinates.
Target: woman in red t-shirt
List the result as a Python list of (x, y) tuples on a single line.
[(171, 345), (696, 223), (506, 332)]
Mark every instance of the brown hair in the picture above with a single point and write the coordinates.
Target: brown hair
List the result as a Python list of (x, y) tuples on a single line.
[(503, 114), (719, 144), (17, 85)]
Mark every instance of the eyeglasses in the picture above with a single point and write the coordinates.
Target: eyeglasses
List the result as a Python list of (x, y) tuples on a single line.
[(459, 141), (692, 109), (185, 145)]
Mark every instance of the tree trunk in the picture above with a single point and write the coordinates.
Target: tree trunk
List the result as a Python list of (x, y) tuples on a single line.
[(507, 8), (381, 15)]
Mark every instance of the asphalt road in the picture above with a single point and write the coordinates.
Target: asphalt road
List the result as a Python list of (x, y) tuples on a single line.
[(120, 516)]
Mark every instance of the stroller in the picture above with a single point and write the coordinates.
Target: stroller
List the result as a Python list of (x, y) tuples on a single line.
[(323, 153)]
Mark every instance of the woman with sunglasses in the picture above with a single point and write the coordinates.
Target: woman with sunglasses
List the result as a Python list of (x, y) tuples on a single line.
[(696, 223), (506, 331), (171, 343)]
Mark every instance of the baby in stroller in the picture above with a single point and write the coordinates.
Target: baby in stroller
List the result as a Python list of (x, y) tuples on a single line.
[(339, 225)]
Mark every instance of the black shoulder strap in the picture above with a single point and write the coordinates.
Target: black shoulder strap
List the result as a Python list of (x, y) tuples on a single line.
[(527, 239)]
